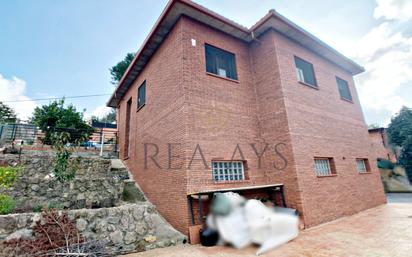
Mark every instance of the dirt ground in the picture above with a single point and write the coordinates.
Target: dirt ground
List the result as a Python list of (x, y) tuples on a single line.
[(382, 231)]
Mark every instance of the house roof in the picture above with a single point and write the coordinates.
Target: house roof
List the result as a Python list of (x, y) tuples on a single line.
[(97, 124), (373, 130), (273, 20)]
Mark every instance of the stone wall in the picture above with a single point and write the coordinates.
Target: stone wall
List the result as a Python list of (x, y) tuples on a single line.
[(124, 229), (95, 184)]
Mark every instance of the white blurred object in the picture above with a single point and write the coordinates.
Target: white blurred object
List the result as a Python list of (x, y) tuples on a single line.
[(235, 199), (269, 228), (253, 222), (233, 228)]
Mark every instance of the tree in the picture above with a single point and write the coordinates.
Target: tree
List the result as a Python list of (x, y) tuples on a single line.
[(400, 134), (111, 116), (7, 114), (400, 127), (120, 68), (374, 126), (108, 118), (405, 159), (55, 117)]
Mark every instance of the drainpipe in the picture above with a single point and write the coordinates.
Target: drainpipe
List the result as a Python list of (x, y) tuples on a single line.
[(252, 34)]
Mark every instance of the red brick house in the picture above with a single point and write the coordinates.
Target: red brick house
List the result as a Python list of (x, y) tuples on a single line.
[(204, 96)]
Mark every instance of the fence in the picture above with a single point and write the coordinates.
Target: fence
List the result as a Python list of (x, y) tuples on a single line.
[(101, 141), (17, 133)]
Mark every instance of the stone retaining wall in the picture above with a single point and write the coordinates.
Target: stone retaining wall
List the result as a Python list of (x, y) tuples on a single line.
[(124, 229), (95, 184)]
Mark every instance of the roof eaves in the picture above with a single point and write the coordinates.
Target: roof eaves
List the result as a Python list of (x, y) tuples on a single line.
[(116, 96), (166, 10), (272, 14), (144, 54)]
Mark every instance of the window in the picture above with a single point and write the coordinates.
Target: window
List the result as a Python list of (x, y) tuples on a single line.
[(228, 171), (141, 95), (344, 89), (362, 165), (305, 72), (220, 62), (324, 167)]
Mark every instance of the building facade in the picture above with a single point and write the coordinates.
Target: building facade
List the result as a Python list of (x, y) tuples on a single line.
[(208, 104), (381, 146)]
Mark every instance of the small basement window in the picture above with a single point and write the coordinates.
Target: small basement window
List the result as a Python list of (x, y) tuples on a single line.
[(363, 165), (305, 72), (324, 166), (141, 95), (344, 89), (220, 62), (228, 170)]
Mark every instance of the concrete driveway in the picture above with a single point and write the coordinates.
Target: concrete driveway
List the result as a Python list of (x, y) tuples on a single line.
[(399, 197), (382, 231)]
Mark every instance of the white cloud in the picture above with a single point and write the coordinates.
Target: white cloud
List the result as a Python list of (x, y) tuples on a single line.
[(393, 9), (386, 54), (15, 89), (100, 112)]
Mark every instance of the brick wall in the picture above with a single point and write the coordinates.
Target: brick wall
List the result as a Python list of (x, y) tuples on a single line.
[(160, 121), (380, 146), (221, 112), (272, 117), (323, 125)]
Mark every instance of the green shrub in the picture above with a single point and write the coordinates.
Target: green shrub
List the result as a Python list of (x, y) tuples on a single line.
[(7, 204), (62, 170), (38, 207), (8, 175), (55, 206)]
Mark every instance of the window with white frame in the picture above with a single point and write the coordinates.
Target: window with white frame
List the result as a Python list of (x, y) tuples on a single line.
[(362, 165), (228, 170), (305, 72), (324, 167)]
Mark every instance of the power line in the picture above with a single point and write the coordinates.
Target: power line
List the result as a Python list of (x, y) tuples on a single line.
[(53, 98)]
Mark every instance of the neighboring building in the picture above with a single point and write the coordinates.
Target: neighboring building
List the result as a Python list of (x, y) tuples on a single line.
[(203, 80), (380, 145), (394, 177), (104, 129)]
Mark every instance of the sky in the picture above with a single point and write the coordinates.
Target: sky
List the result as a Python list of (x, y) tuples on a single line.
[(61, 48)]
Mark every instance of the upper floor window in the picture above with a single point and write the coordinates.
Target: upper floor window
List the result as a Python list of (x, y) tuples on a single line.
[(220, 62), (324, 166), (228, 170), (344, 89), (305, 72), (141, 95), (362, 165)]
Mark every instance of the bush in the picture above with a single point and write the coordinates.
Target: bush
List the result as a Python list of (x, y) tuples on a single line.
[(7, 204), (52, 231), (55, 206), (54, 234), (62, 171), (8, 175), (39, 207)]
